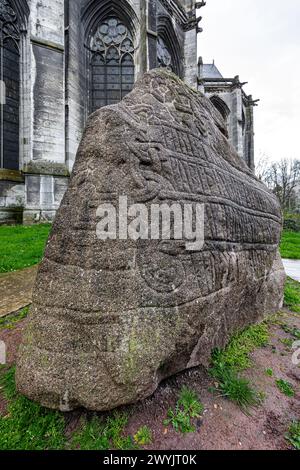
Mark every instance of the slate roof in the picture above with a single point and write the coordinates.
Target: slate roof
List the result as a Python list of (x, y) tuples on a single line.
[(210, 71)]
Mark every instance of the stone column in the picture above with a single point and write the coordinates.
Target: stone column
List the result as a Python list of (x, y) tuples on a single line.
[(76, 70), (190, 55), (45, 170), (236, 120), (190, 44), (249, 138), (141, 56), (152, 34)]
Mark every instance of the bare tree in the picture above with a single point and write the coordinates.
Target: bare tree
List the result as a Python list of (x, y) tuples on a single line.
[(282, 178), (262, 166)]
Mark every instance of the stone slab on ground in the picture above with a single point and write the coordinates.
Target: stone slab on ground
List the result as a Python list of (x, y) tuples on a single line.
[(292, 268), (16, 290)]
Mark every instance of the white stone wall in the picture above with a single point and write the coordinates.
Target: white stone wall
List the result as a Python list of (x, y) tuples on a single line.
[(239, 122), (190, 58), (47, 20), (74, 83), (12, 200), (48, 79)]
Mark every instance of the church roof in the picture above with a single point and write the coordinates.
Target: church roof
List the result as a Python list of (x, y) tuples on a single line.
[(210, 71)]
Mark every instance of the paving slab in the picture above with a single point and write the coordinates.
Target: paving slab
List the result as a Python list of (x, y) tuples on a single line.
[(292, 268), (16, 290)]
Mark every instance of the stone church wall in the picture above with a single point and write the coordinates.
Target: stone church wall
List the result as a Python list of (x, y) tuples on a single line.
[(55, 93)]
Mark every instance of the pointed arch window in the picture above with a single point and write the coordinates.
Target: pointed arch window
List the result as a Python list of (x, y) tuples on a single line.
[(221, 106), (9, 87), (164, 55), (112, 63), (169, 50)]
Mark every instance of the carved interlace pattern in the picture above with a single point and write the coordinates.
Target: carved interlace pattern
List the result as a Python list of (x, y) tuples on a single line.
[(112, 38), (8, 22)]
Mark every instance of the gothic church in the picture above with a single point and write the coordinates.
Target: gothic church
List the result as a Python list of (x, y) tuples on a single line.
[(63, 59)]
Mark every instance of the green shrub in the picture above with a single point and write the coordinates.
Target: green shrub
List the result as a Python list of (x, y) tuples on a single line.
[(285, 387), (187, 408), (143, 436), (231, 385), (293, 435), (228, 363)]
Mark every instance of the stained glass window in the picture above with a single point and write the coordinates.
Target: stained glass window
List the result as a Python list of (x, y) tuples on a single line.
[(10, 87), (112, 63)]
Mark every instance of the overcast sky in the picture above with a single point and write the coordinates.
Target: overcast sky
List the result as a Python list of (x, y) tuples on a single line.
[(259, 40)]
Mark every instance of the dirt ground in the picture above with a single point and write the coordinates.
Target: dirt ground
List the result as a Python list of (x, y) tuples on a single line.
[(224, 425)]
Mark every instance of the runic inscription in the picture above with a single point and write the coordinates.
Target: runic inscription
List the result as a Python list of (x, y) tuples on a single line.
[(112, 318)]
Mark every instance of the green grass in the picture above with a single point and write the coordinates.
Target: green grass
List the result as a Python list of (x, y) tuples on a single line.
[(143, 437), (287, 342), (269, 372), (29, 426), (90, 436), (236, 354), (285, 387), (290, 245), (292, 295), (293, 331), (21, 247), (230, 385), (188, 407), (293, 435), (228, 363), (10, 322), (103, 434)]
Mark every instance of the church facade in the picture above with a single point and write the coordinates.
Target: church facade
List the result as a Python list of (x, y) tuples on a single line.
[(63, 59)]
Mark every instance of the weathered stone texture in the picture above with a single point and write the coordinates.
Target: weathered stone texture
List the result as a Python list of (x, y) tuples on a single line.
[(47, 20), (111, 319), (11, 196)]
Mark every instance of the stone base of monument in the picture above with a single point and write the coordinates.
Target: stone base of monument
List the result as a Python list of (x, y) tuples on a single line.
[(112, 318)]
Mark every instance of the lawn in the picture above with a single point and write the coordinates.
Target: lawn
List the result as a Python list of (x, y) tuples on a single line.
[(292, 295), (28, 426), (25, 425), (21, 246), (290, 245)]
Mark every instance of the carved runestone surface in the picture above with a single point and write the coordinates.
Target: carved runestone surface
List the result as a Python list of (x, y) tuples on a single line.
[(111, 318)]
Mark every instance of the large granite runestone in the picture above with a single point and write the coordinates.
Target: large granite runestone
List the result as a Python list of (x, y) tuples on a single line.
[(111, 319)]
